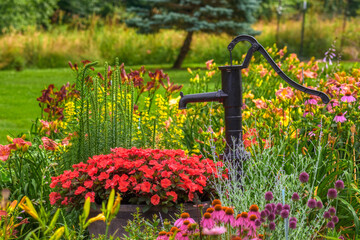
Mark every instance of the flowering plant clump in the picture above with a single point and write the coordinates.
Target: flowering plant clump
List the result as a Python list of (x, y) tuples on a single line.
[(220, 220), (142, 176)]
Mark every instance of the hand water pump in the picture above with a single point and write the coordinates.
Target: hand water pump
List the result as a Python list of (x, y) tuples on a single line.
[(230, 94)]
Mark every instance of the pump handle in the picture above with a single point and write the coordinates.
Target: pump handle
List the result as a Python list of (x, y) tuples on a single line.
[(256, 46)]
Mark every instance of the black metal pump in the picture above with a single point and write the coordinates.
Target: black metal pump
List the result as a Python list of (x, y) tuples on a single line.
[(231, 91)]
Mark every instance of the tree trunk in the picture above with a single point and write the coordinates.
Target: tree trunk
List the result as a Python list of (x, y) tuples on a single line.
[(183, 51)]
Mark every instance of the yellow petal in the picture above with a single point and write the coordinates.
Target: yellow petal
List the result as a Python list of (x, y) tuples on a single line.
[(57, 234)]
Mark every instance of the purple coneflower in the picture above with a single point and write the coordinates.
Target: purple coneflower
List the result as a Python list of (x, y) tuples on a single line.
[(218, 213), (214, 231), (311, 101), (304, 177), (252, 225), (162, 236), (185, 225), (207, 221), (348, 98), (269, 196), (295, 197), (184, 216), (242, 220), (339, 185), (182, 236), (229, 217), (254, 209), (311, 203), (332, 193), (340, 117), (216, 202)]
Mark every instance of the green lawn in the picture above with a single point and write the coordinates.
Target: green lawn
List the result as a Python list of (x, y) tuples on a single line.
[(19, 90)]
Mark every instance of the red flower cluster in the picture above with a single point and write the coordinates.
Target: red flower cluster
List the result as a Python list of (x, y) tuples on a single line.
[(141, 175)]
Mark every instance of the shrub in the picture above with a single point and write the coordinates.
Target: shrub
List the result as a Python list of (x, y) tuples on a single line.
[(143, 176)]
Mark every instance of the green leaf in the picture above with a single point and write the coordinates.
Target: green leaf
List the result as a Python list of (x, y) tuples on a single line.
[(352, 211), (165, 209), (146, 208)]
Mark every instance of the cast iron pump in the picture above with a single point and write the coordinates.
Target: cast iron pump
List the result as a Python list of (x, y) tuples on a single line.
[(231, 91)]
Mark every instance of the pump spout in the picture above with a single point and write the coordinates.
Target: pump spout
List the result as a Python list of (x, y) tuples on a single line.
[(218, 96)]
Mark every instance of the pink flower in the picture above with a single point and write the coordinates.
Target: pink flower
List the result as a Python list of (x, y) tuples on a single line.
[(348, 98), (209, 64), (311, 101), (218, 214), (4, 152), (182, 236), (242, 220), (308, 112), (340, 117), (19, 143), (228, 218), (162, 236), (207, 221), (284, 92), (48, 144), (183, 217), (260, 104), (214, 231)]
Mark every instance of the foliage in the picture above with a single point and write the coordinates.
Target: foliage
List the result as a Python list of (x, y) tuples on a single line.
[(18, 14), (83, 8), (115, 109), (9, 217), (140, 228), (192, 16), (28, 167), (52, 49), (143, 176)]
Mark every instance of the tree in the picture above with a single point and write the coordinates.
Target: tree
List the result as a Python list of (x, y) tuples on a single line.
[(212, 16), (84, 8), (18, 14)]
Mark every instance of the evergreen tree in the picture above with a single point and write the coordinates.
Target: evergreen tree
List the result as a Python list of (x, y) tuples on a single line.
[(213, 16)]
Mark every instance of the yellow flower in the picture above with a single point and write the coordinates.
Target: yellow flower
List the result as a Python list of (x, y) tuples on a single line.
[(58, 233)]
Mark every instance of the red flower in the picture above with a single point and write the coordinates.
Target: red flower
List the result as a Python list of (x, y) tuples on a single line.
[(88, 184), (91, 195), (145, 187), (103, 176), (155, 200), (165, 183), (67, 184), (80, 190), (173, 194), (54, 197), (138, 174)]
